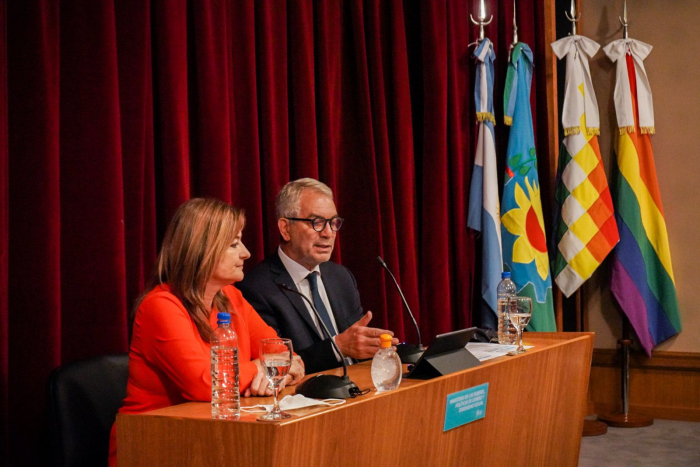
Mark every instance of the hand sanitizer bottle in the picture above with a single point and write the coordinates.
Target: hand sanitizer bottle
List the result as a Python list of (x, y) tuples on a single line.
[(386, 366)]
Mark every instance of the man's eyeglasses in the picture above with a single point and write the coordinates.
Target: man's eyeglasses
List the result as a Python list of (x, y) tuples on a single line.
[(319, 223)]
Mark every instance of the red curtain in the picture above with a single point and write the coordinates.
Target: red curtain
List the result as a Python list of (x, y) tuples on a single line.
[(4, 246), (118, 111)]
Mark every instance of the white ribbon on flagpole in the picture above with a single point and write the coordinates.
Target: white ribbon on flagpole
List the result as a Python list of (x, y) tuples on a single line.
[(577, 50), (617, 51)]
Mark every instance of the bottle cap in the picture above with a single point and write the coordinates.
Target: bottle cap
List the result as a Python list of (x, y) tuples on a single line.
[(505, 275), (223, 318), (385, 341)]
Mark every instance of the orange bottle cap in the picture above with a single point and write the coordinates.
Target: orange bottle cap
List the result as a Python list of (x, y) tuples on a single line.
[(386, 341)]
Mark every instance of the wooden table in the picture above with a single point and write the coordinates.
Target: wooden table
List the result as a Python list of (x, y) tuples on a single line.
[(534, 416)]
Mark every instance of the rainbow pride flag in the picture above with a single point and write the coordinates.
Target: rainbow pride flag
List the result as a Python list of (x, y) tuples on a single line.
[(642, 275)]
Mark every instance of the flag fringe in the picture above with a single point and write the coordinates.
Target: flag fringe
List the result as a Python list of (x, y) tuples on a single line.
[(482, 116), (575, 130), (645, 130), (508, 120)]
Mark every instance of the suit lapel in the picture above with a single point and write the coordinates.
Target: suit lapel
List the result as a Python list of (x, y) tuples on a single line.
[(333, 292), (282, 277)]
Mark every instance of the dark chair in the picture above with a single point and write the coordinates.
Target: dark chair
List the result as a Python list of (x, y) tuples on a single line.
[(84, 398)]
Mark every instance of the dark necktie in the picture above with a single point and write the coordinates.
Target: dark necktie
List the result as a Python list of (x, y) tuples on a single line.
[(318, 303)]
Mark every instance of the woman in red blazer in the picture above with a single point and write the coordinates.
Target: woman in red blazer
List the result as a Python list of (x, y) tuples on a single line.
[(169, 358)]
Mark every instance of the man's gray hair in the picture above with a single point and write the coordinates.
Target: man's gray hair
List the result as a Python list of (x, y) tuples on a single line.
[(288, 201)]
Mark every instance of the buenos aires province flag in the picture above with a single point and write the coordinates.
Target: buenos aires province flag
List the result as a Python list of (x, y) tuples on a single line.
[(585, 230), (524, 241), (642, 274), (484, 212)]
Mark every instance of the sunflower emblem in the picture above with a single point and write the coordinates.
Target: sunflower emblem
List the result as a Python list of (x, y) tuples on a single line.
[(527, 223)]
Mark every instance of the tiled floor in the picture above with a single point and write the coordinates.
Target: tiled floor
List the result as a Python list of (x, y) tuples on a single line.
[(666, 443)]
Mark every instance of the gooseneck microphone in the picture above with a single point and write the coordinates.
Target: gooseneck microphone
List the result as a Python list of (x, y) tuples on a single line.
[(325, 386), (409, 353)]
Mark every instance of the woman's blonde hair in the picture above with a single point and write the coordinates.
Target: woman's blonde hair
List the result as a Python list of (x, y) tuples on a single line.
[(197, 237)]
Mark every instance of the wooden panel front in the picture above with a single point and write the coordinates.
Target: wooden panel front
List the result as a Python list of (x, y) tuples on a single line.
[(535, 407), (665, 386)]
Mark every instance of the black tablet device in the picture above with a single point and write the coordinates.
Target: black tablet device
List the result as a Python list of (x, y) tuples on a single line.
[(447, 354)]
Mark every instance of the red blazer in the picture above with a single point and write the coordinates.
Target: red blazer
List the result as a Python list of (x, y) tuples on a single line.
[(169, 363)]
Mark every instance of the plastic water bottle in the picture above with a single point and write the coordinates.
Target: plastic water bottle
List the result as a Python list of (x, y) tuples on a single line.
[(225, 389), (505, 291), (386, 366)]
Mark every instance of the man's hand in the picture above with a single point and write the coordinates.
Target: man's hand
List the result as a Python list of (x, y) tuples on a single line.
[(359, 341)]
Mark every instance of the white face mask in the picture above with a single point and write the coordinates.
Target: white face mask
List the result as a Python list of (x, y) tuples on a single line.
[(292, 402)]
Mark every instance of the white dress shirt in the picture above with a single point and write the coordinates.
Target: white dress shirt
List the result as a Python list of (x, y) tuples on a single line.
[(298, 274)]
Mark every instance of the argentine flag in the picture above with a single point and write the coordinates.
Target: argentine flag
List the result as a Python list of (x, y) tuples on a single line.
[(484, 209)]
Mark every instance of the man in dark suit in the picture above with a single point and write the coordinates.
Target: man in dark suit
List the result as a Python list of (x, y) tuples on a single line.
[(308, 223)]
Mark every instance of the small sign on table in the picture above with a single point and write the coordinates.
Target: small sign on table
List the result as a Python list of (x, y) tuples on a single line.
[(466, 406)]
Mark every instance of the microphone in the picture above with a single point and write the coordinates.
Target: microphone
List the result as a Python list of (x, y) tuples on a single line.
[(409, 353), (326, 386)]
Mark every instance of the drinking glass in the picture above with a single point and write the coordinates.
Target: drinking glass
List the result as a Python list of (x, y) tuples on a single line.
[(519, 312), (276, 358)]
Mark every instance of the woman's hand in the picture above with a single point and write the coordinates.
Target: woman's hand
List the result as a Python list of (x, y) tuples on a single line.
[(260, 386), (296, 371)]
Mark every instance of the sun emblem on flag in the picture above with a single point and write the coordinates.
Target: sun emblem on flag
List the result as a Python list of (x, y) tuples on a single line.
[(527, 223)]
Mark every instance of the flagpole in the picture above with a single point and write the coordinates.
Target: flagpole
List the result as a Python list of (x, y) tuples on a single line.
[(625, 419), (573, 17), (481, 21), (590, 427)]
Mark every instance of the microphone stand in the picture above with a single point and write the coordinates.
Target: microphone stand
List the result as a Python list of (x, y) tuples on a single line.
[(325, 386), (409, 353)]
